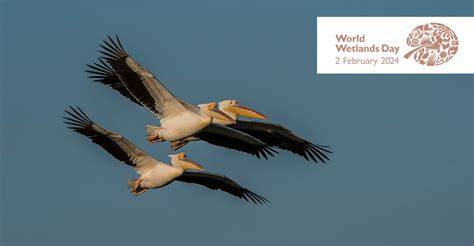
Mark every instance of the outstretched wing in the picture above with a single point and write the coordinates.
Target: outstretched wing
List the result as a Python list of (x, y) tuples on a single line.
[(280, 137), (229, 138), (118, 146), (139, 82), (219, 182), (103, 73)]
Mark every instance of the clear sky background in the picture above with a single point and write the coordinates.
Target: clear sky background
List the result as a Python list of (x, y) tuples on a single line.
[(401, 173)]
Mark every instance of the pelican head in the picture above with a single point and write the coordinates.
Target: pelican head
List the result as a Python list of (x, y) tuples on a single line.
[(211, 110), (233, 109), (181, 161)]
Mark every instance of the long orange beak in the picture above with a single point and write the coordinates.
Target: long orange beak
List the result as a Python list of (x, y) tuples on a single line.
[(244, 111), (218, 114), (193, 164)]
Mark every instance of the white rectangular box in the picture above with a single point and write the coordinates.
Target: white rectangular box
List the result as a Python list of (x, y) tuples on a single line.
[(394, 45)]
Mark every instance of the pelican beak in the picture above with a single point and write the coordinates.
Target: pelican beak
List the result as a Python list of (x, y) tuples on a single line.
[(218, 114), (193, 164), (244, 111)]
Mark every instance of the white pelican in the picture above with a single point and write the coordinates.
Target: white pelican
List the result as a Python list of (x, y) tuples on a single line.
[(272, 134), (129, 79), (178, 119), (153, 174)]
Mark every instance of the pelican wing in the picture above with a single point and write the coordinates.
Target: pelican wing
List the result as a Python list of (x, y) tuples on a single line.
[(233, 139), (118, 146), (139, 82), (219, 182), (280, 137), (104, 74)]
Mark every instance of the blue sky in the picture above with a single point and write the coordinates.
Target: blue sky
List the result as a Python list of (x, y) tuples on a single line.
[(401, 173)]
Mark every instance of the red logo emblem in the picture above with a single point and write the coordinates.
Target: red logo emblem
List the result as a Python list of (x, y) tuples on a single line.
[(434, 44)]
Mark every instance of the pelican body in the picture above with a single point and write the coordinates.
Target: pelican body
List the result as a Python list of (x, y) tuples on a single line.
[(154, 174), (179, 126), (182, 125)]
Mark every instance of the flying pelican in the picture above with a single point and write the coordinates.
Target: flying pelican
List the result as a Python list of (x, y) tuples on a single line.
[(272, 134), (153, 174), (178, 119), (126, 76)]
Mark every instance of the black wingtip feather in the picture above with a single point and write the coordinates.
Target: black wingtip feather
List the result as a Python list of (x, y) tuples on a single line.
[(78, 120), (102, 73), (250, 197), (321, 147), (120, 43), (257, 199), (265, 152), (257, 154), (318, 150), (270, 151), (111, 50), (84, 114)]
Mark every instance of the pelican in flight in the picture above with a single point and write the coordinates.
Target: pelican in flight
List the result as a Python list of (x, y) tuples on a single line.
[(272, 134), (179, 119), (153, 174)]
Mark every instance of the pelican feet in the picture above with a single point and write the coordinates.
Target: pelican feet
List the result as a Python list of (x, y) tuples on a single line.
[(141, 191), (136, 189), (154, 136), (178, 144), (136, 185)]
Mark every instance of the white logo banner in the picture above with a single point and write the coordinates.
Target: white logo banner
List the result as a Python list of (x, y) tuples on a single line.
[(395, 45)]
